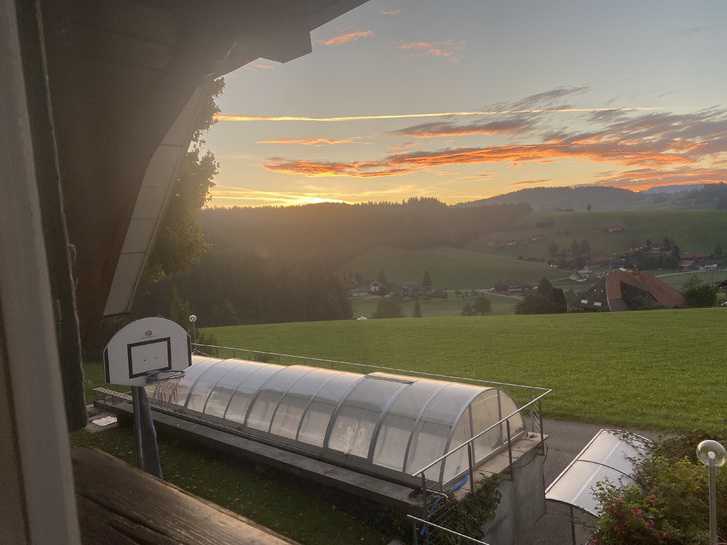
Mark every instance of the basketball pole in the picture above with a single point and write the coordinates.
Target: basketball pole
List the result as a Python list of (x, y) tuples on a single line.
[(147, 448)]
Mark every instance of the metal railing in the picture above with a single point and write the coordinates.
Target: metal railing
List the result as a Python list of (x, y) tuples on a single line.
[(532, 406), (416, 521)]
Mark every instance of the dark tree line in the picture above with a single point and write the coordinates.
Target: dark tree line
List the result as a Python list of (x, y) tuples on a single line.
[(234, 288), (338, 232)]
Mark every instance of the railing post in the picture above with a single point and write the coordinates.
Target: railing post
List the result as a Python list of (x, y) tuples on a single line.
[(540, 418), (509, 443), (471, 459), (414, 533)]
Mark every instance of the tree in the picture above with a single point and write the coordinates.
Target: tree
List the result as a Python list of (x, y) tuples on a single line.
[(381, 278), (699, 294), (553, 250), (388, 307), (585, 250), (467, 309), (676, 252), (546, 300), (482, 305), (427, 282), (417, 313), (718, 250), (588, 207), (179, 242)]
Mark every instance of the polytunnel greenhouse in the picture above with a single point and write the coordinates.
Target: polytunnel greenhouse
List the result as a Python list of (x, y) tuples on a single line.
[(382, 424)]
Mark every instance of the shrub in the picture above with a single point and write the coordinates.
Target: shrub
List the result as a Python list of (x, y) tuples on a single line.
[(701, 295), (388, 307), (669, 506)]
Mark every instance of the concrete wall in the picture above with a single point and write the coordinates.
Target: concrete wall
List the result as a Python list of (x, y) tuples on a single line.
[(522, 502)]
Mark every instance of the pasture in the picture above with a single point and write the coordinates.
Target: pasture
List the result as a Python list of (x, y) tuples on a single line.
[(651, 369)]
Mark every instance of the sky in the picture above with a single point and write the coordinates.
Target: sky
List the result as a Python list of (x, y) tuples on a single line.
[(466, 99)]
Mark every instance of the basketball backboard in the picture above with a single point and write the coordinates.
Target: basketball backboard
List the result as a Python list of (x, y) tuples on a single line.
[(145, 350)]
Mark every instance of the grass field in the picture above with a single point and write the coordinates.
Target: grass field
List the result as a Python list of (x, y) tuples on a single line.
[(452, 306), (451, 268), (693, 230), (679, 279), (657, 369)]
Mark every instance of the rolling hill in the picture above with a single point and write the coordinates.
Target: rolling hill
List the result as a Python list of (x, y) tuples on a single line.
[(693, 230), (575, 198), (449, 267)]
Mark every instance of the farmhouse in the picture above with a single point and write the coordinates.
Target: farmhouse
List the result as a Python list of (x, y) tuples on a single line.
[(629, 290)]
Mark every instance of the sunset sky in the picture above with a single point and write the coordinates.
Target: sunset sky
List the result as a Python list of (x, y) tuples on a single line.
[(466, 99)]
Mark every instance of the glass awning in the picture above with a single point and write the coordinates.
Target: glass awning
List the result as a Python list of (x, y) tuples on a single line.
[(610, 456)]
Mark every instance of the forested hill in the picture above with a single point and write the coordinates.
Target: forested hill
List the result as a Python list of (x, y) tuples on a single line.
[(282, 264), (607, 199), (568, 198), (337, 232)]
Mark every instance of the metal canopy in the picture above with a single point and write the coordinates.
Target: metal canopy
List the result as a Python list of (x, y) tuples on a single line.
[(381, 423), (610, 456)]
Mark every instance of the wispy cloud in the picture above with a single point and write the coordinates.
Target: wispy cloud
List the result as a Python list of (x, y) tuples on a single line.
[(422, 115), (446, 49), (390, 12), (311, 141), (659, 140), (260, 65), (347, 38), (539, 181), (548, 97), (448, 129), (243, 196)]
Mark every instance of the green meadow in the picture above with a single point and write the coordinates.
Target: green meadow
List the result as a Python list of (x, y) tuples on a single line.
[(651, 369)]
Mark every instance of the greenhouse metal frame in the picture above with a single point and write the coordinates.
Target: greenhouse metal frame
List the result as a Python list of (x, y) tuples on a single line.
[(408, 429)]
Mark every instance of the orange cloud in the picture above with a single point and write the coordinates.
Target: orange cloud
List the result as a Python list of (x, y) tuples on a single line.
[(261, 66), (310, 141), (435, 49), (420, 115), (532, 182), (409, 162), (347, 38)]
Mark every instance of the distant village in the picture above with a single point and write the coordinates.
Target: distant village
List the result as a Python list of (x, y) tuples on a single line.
[(592, 284)]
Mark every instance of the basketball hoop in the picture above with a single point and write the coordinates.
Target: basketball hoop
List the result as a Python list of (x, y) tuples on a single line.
[(143, 352), (147, 350)]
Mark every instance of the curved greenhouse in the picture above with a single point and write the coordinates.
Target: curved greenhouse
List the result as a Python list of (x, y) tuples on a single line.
[(382, 424)]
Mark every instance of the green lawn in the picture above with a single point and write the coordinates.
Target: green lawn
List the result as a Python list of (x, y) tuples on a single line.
[(451, 268), (287, 505), (679, 279), (655, 369), (452, 306)]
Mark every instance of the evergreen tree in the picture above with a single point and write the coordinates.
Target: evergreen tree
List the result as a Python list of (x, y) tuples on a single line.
[(427, 282)]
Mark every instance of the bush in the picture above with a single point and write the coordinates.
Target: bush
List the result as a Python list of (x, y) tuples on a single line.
[(702, 295), (668, 507), (388, 307)]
